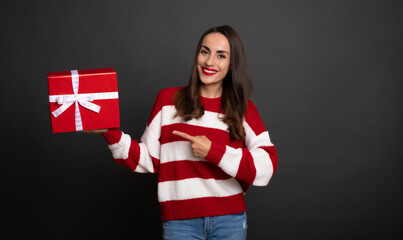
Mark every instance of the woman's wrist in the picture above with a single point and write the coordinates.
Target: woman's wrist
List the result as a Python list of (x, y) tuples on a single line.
[(97, 131)]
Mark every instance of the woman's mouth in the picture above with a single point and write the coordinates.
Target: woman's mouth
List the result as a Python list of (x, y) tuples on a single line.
[(208, 71)]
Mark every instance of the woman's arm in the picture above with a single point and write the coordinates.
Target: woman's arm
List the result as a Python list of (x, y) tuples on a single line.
[(142, 156), (120, 145), (254, 164), (130, 153)]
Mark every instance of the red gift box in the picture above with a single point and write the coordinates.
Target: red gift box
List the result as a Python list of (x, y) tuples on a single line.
[(83, 99)]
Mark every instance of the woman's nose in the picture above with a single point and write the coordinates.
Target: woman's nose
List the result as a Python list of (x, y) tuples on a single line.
[(210, 60)]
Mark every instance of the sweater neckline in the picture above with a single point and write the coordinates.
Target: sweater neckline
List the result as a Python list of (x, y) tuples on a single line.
[(210, 101)]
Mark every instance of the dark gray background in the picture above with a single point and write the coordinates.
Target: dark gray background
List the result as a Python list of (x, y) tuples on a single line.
[(328, 81)]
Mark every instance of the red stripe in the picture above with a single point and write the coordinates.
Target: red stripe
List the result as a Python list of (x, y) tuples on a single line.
[(156, 164), (244, 185), (154, 111), (164, 98), (216, 153), (134, 155), (167, 95), (271, 150), (214, 134), (127, 163), (253, 119), (202, 207), (112, 136), (211, 104), (179, 170), (247, 170)]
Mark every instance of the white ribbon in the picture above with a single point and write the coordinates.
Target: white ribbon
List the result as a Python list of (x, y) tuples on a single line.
[(84, 99)]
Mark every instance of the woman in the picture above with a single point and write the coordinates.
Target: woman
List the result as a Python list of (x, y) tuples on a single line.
[(206, 141)]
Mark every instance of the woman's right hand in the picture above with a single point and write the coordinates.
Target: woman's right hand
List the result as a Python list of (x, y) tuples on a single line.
[(99, 131)]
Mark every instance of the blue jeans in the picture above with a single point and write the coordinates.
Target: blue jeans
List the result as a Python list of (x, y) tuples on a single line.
[(226, 227)]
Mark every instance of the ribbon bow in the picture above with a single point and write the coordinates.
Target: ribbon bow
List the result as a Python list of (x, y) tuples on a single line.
[(67, 100)]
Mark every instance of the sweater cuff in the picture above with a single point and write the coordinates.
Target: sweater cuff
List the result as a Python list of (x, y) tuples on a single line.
[(112, 136), (216, 152)]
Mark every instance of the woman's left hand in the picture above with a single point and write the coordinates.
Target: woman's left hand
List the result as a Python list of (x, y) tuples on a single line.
[(200, 144)]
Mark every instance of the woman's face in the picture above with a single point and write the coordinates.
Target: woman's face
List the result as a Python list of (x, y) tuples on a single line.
[(213, 61)]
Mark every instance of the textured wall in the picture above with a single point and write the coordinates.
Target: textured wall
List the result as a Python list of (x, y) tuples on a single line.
[(328, 81)]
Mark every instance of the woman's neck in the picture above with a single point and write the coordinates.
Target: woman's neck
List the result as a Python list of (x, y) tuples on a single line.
[(211, 90)]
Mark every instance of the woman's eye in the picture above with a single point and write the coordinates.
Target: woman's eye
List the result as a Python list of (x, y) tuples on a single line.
[(221, 56), (203, 52)]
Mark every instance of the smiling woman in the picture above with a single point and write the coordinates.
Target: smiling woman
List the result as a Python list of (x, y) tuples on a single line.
[(206, 141), (220, 51)]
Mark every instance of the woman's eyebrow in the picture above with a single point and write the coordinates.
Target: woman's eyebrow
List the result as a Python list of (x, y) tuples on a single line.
[(223, 51), (219, 51)]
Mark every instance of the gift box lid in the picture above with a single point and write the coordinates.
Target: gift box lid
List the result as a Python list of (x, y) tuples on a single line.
[(91, 80)]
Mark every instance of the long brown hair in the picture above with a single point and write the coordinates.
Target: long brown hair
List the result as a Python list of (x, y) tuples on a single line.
[(236, 87)]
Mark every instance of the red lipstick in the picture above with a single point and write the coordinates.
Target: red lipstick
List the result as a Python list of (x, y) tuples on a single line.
[(208, 71)]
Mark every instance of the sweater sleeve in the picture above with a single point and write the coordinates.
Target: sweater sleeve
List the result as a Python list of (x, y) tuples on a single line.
[(255, 163), (137, 156)]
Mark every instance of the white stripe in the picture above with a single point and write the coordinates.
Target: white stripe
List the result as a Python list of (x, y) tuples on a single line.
[(121, 149), (145, 158), (252, 141), (230, 160), (197, 188), (264, 167), (262, 140), (140, 169), (208, 120), (261, 158), (155, 127), (177, 151), (149, 146), (152, 144)]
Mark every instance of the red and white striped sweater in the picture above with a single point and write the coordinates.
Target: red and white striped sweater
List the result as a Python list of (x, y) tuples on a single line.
[(189, 186)]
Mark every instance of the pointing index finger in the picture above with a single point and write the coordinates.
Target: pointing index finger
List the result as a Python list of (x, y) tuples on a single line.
[(184, 135)]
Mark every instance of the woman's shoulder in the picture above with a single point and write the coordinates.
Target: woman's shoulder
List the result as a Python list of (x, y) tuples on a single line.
[(169, 91), (165, 95), (251, 111), (252, 117), (251, 105)]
